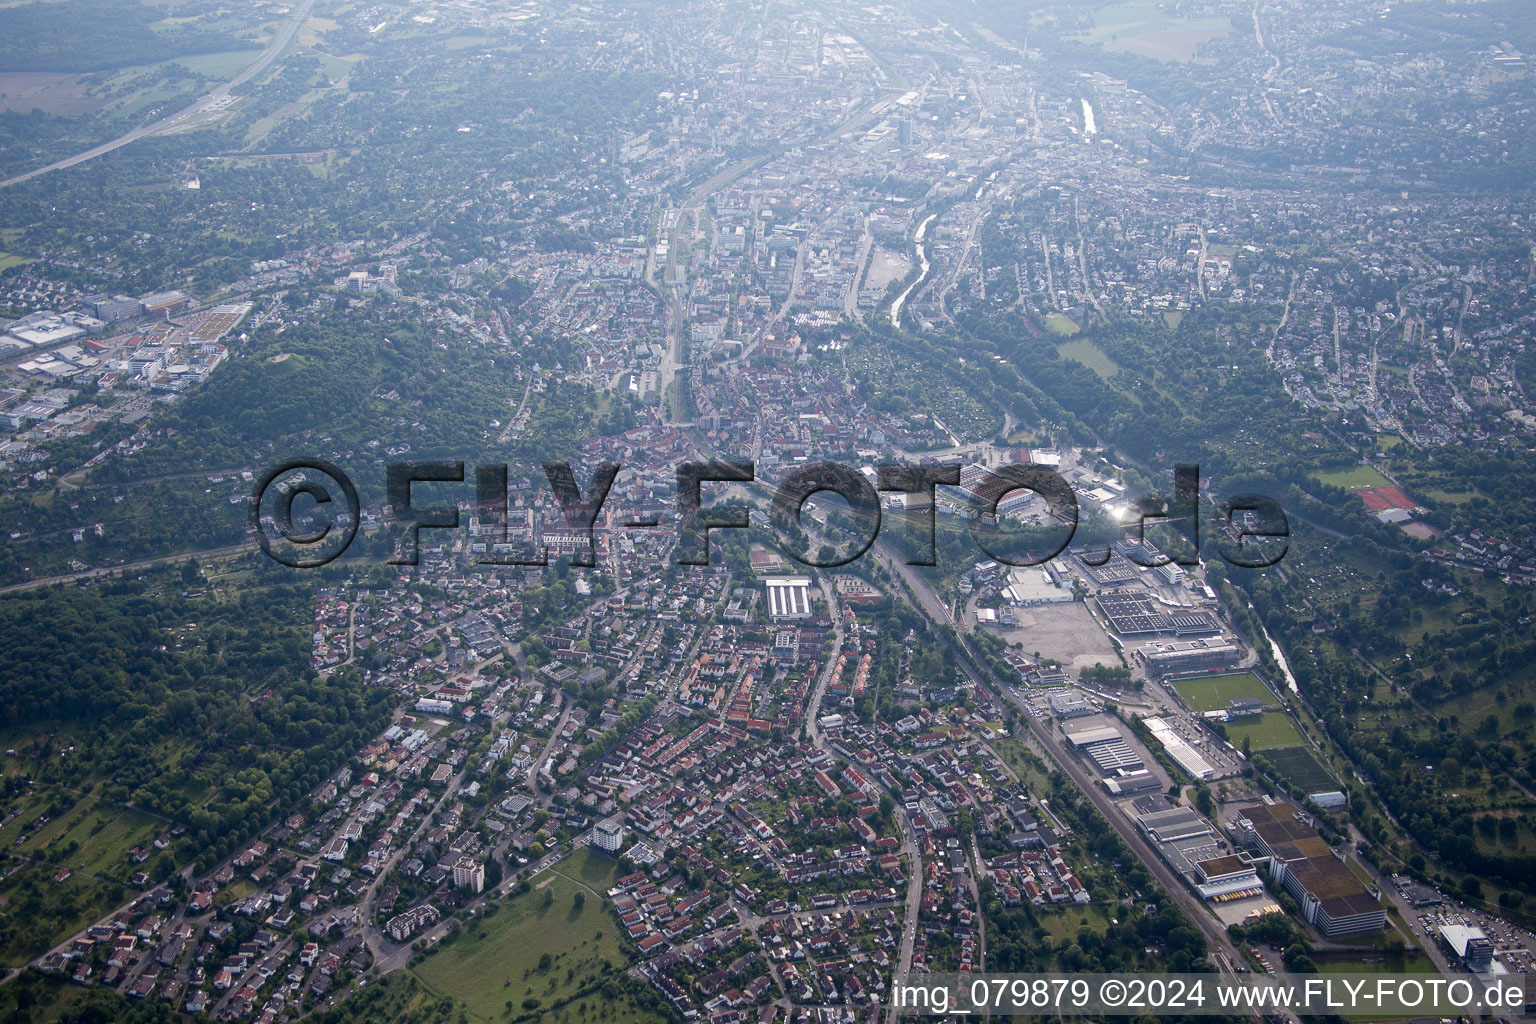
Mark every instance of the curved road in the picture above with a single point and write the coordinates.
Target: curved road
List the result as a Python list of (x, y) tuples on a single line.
[(211, 101)]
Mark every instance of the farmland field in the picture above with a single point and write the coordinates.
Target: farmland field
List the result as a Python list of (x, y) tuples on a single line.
[(1145, 28), (66, 95), (219, 65)]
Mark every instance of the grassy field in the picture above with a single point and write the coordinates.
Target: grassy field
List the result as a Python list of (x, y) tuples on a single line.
[(55, 999), (106, 829), (397, 996), (63, 95), (1418, 963), (9, 260), (336, 67), (1090, 355), (466, 42), (1144, 27), (1444, 497), (1173, 318), (1354, 478), (496, 962), (91, 836), (37, 911), (314, 31), (1269, 731), (1064, 924), (177, 90), (1365, 963), (1060, 323), (1025, 764), (1474, 706), (90, 839), (1211, 693), (264, 125), (219, 65)]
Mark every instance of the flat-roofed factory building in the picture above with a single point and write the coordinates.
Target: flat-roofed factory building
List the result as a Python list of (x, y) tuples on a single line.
[(1182, 753), (789, 598), (1106, 748), (1188, 844), (1330, 895), (1177, 657)]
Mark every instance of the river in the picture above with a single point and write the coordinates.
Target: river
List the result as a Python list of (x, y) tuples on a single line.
[(1274, 649), (922, 258)]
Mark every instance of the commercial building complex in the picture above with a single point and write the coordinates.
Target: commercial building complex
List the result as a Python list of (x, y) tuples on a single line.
[(1330, 895), (1188, 844), (1106, 748), (1470, 945), (1176, 657), (1182, 753)]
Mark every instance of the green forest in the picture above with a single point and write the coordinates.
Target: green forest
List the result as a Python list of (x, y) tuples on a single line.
[(199, 712)]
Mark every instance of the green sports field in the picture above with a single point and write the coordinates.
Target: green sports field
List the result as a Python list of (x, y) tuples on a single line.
[(1090, 355), (1299, 768), (1269, 731), (1211, 693), (1353, 478), (1060, 323)]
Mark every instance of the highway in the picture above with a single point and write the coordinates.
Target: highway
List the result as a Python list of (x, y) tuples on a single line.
[(212, 101)]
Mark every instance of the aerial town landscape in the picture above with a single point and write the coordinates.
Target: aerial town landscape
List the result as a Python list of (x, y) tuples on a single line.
[(1254, 282)]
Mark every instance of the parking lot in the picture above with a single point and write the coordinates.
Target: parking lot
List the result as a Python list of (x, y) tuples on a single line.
[(1514, 945), (1067, 633)]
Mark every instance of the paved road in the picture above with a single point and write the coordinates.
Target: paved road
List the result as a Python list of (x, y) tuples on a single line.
[(1044, 740), (388, 955), (211, 101), (909, 845)]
